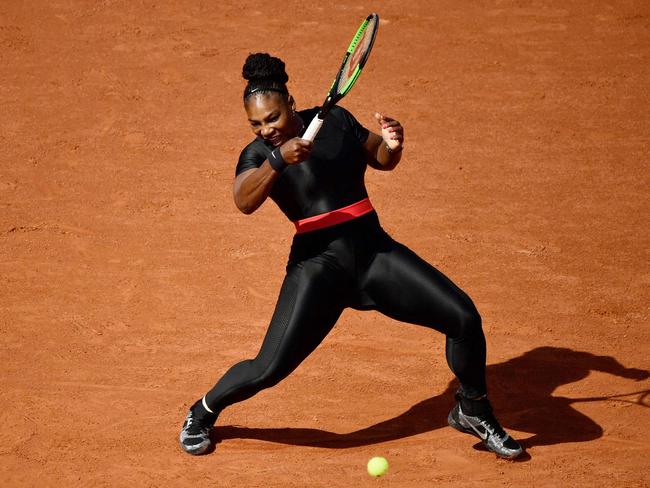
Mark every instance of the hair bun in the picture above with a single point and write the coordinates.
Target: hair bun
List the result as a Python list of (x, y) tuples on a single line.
[(264, 67)]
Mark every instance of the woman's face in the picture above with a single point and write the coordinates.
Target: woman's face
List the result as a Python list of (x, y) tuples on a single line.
[(271, 117)]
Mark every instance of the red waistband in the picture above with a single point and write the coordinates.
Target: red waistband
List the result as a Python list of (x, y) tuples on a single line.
[(334, 217)]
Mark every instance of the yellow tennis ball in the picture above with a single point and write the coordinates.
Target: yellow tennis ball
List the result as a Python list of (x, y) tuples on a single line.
[(377, 466)]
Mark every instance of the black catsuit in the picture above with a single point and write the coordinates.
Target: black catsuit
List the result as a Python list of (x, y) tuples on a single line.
[(354, 264)]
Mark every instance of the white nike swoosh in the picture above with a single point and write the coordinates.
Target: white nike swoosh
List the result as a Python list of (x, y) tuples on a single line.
[(482, 435)]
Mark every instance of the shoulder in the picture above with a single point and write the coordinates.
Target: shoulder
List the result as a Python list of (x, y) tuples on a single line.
[(336, 112), (252, 156), (256, 145), (344, 117), (349, 123), (338, 119), (308, 113), (341, 113)]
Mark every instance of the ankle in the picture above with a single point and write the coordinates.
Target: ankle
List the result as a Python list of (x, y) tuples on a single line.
[(474, 406), (202, 414)]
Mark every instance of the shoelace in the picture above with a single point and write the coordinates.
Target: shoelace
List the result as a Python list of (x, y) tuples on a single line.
[(194, 427), (491, 424)]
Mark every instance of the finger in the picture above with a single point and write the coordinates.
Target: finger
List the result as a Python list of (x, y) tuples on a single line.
[(394, 133), (303, 143), (382, 120)]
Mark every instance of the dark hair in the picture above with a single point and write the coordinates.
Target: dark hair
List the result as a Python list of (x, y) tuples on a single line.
[(264, 73)]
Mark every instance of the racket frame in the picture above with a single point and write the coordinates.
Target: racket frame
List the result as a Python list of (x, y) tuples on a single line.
[(335, 93)]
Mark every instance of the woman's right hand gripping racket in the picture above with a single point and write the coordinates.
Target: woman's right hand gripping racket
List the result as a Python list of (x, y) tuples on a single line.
[(353, 62)]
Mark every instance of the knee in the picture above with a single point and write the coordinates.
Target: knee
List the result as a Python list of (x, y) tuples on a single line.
[(266, 374), (468, 323)]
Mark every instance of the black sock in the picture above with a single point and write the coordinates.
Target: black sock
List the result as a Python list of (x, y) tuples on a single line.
[(474, 407)]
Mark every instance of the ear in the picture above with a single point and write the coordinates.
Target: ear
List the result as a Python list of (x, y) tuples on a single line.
[(291, 102)]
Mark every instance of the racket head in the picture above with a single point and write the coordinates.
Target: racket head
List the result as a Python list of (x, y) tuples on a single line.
[(354, 60)]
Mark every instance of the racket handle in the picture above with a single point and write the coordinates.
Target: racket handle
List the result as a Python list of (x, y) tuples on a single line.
[(314, 126)]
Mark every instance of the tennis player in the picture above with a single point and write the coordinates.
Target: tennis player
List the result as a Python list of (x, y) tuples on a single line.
[(340, 256)]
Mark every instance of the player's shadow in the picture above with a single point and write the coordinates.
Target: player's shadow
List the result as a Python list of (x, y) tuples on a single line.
[(521, 390)]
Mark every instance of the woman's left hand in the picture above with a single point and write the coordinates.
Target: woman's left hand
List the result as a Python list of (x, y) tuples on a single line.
[(391, 131)]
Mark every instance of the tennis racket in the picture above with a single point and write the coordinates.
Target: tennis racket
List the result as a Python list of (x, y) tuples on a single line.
[(353, 62)]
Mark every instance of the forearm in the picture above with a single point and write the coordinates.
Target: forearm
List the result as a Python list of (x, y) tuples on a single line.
[(386, 158), (252, 187), (379, 156)]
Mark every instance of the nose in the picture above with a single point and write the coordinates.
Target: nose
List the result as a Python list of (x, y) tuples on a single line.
[(266, 131)]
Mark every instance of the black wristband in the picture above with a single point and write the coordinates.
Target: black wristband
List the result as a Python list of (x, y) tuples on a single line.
[(276, 160)]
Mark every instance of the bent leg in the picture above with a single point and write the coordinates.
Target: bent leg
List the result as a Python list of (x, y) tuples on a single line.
[(310, 303), (403, 286)]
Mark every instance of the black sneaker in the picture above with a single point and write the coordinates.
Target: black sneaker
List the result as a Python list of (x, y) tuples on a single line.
[(487, 428), (195, 434)]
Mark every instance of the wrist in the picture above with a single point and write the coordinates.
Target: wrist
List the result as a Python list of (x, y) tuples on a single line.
[(392, 151), (276, 160)]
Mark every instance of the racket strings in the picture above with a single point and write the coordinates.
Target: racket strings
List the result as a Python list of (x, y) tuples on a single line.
[(357, 53)]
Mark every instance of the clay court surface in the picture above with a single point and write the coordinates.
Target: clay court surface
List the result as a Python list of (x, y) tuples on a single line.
[(129, 282)]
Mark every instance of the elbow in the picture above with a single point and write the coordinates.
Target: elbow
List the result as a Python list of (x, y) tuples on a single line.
[(390, 166), (394, 161), (382, 165), (245, 207)]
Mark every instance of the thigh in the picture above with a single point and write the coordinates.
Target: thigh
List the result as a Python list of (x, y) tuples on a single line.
[(310, 302), (403, 286)]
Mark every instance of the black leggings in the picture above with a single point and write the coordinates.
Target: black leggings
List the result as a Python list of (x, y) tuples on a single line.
[(357, 265)]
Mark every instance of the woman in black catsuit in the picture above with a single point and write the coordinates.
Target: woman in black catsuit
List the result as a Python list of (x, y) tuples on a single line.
[(340, 256)]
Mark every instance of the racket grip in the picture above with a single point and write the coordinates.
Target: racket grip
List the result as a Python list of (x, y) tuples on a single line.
[(314, 126)]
